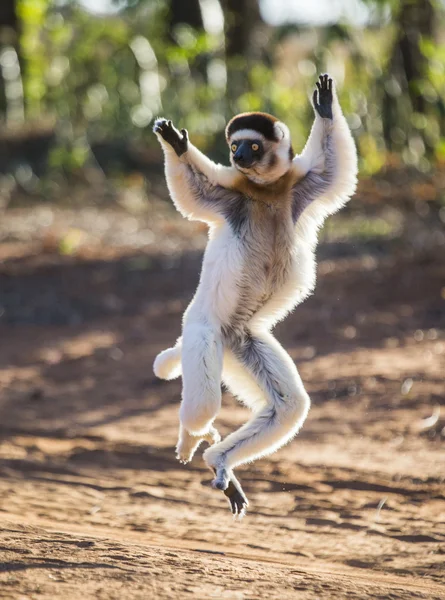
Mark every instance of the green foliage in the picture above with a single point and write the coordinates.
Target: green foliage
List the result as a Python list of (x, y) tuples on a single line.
[(110, 76), (33, 14), (68, 157), (361, 228)]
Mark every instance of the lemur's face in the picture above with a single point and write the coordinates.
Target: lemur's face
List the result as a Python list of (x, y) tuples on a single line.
[(260, 146), (247, 152)]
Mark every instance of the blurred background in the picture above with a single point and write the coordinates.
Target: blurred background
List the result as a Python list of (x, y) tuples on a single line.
[(81, 173), (81, 81)]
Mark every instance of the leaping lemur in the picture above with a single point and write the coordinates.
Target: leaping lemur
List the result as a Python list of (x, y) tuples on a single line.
[(263, 213)]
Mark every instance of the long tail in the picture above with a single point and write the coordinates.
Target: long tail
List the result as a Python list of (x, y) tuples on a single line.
[(167, 364)]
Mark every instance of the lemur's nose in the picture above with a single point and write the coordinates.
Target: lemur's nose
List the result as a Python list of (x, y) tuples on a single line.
[(243, 154)]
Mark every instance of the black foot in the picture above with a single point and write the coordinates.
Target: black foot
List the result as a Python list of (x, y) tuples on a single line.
[(237, 499), (323, 104), (171, 135), (236, 496)]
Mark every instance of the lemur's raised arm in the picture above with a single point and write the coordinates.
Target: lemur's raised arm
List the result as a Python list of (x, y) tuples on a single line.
[(196, 184), (328, 163)]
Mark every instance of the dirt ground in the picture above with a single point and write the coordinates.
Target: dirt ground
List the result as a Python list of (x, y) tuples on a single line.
[(93, 503)]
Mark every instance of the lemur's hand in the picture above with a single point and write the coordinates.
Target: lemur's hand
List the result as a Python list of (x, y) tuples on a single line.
[(323, 104), (172, 136)]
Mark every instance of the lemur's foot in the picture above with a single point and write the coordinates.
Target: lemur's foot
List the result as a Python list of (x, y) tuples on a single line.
[(237, 498), (323, 104), (188, 443), (233, 491), (177, 140), (213, 437)]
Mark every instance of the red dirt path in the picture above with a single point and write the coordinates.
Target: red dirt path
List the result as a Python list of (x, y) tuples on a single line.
[(93, 503)]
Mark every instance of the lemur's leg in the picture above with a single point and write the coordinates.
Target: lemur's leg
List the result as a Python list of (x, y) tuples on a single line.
[(273, 425), (241, 383), (168, 366), (244, 386), (202, 356), (189, 443)]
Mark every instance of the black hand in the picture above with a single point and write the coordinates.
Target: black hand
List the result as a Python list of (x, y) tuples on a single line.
[(171, 136), (323, 104)]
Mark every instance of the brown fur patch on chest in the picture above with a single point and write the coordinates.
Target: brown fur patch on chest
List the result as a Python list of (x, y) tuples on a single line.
[(273, 194)]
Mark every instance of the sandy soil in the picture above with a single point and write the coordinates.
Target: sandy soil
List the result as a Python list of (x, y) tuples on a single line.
[(93, 503)]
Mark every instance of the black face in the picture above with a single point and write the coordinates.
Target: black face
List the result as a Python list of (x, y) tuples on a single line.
[(246, 152)]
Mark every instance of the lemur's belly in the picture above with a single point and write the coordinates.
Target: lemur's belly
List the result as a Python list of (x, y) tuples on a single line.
[(260, 283), (242, 273)]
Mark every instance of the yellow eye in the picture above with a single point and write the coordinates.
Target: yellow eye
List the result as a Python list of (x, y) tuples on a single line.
[(234, 147), (255, 147)]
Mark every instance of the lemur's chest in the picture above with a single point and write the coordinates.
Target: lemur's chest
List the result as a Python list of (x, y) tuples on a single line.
[(268, 243)]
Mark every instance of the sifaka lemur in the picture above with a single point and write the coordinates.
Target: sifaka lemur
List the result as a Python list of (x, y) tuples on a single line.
[(263, 212)]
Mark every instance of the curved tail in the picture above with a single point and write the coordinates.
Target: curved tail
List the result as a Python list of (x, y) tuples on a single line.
[(167, 364)]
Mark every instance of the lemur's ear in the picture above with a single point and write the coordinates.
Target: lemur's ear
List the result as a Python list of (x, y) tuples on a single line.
[(281, 131)]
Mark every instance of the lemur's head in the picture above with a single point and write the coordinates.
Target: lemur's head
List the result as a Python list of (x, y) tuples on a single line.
[(260, 146)]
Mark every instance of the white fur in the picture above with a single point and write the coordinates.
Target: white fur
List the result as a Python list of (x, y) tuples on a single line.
[(167, 364), (202, 356), (254, 439), (177, 183), (215, 173), (282, 131), (246, 134), (297, 288), (282, 166), (241, 383), (312, 159), (276, 418), (222, 269)]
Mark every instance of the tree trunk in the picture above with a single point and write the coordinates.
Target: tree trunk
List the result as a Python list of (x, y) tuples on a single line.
[(416, 22), (188, 12), (185, 11), (408, 66), (9, 36), (245, 41)]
